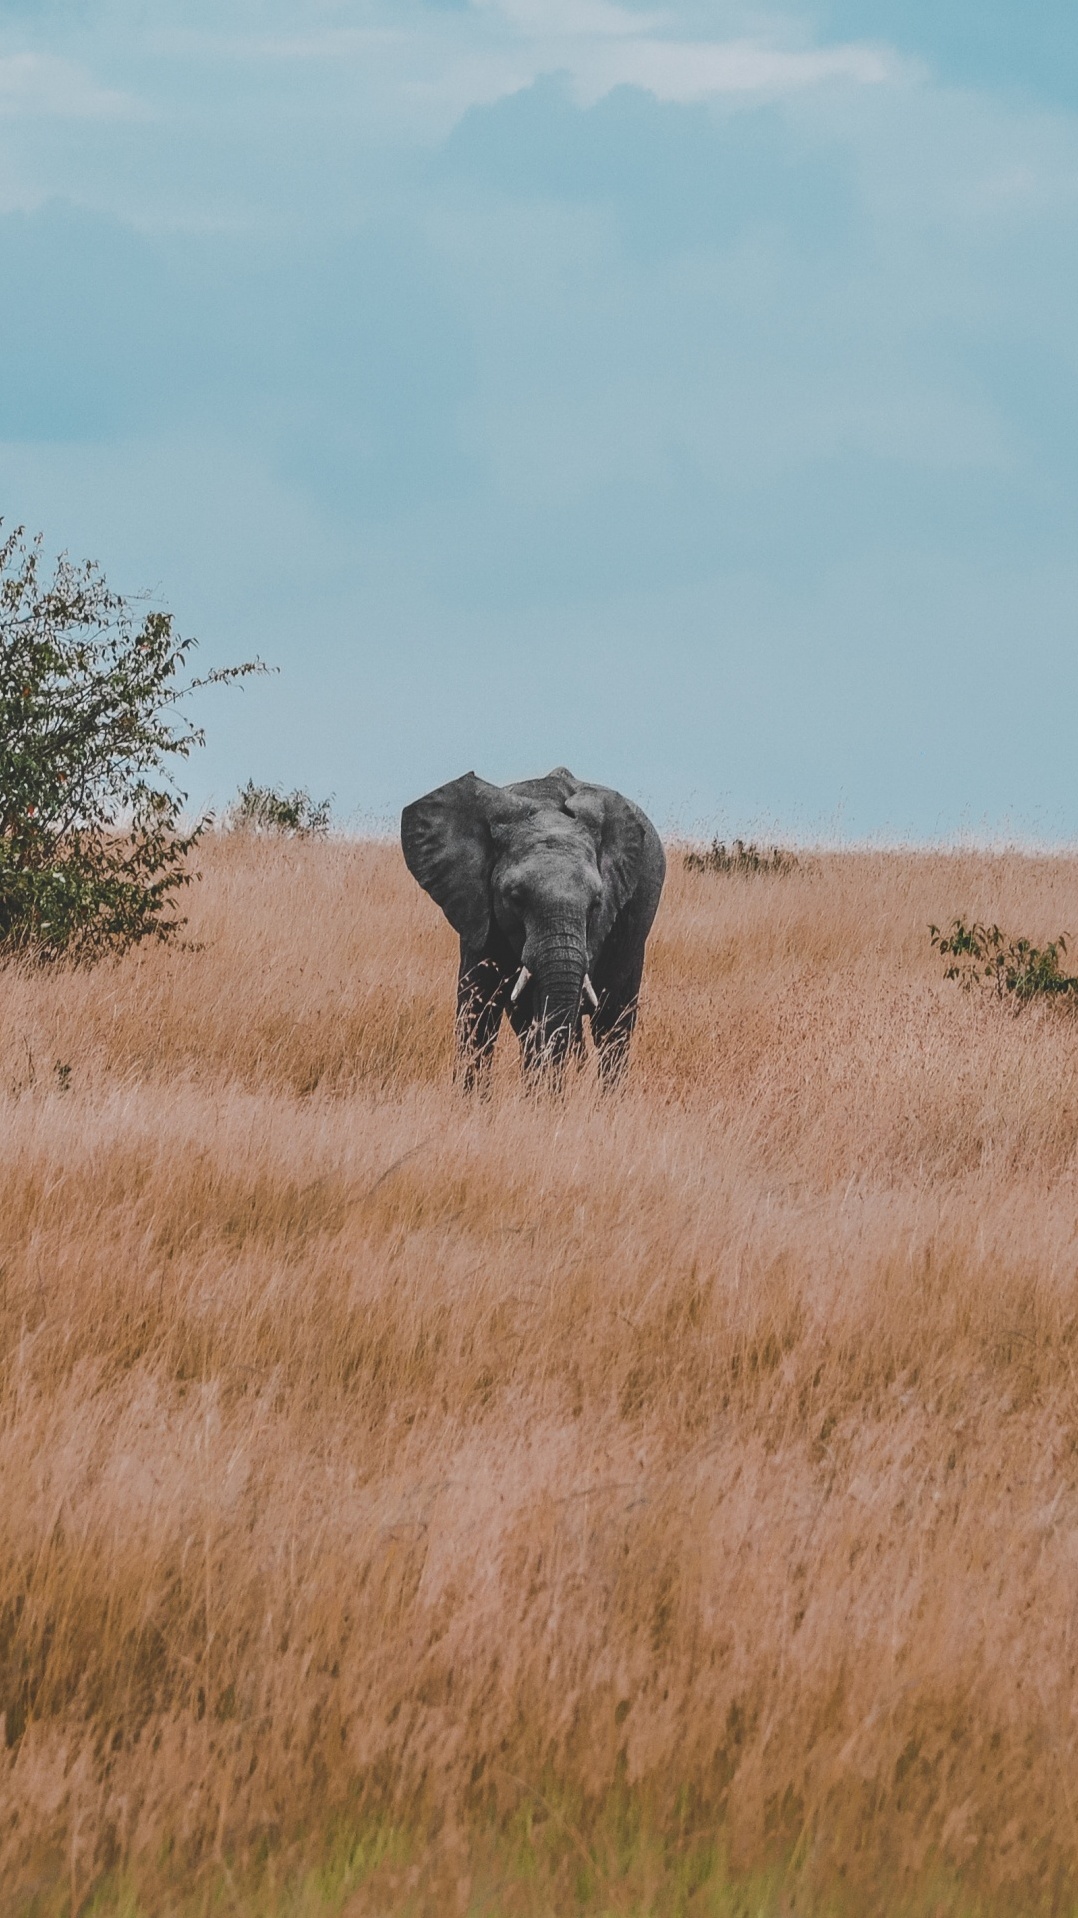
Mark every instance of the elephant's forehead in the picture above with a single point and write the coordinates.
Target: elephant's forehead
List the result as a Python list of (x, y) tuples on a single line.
[(547, 832)]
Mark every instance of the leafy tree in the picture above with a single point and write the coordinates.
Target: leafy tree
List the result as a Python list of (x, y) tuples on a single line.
[(93, 849)]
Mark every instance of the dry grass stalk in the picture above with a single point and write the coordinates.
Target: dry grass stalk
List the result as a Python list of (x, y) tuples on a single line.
[(367, 1453)]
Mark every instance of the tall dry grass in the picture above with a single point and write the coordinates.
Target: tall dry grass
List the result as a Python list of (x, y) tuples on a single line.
[(709, 1449)]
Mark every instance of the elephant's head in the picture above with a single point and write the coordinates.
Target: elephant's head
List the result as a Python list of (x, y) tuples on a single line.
[(531, 875)]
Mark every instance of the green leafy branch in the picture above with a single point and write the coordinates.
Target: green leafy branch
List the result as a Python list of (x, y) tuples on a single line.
[(1015, 969)]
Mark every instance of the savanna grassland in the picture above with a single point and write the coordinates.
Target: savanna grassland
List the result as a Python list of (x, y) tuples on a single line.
[(660, 1502)]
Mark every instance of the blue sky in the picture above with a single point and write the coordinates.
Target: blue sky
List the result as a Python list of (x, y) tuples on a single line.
[(687, 393)]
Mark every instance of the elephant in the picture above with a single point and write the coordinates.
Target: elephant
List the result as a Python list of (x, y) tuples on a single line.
[(552, 885)]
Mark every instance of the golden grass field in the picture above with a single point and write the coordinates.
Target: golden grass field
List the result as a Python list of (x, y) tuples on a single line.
[(651, 1503)]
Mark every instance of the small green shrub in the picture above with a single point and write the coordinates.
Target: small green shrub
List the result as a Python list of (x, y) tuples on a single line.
[(267, 809), (983, 956), (93, 850), (741, 858)]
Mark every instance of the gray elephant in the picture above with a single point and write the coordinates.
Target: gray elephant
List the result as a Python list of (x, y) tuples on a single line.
[(552, 885)]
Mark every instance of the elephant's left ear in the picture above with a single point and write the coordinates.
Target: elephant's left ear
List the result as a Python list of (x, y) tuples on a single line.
[(619, 830), (448, 848)]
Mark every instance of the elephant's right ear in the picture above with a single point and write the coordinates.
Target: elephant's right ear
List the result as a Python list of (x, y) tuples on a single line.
[(448, 847)]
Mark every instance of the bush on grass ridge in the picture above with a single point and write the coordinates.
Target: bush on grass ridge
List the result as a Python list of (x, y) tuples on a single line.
[(741, 858), (268, 809)]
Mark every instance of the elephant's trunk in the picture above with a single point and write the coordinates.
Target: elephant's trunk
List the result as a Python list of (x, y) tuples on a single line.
[(558, 962)]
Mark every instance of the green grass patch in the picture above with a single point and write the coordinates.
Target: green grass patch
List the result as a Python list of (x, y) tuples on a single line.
[(539, 1864)]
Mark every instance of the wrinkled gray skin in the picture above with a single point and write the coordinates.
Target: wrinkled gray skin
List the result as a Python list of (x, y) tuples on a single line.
[(552, 874)]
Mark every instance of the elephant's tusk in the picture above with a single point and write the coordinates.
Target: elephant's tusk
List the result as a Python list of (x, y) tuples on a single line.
[(522, 979), (591, 994)]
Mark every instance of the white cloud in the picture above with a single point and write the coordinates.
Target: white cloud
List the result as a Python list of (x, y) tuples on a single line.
[(685, 70), (605, 46), (572, 19), (456, 61), (34, 84), (602, 46)]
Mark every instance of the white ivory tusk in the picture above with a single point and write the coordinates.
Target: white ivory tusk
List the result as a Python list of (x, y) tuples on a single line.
[(590, 993), (522, 979)]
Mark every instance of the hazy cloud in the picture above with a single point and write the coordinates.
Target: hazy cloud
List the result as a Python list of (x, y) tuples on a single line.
[(34, 84)]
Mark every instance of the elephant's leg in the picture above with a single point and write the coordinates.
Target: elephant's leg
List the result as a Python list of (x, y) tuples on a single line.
[(480, 1003), (616, 978), (612, 1027)]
